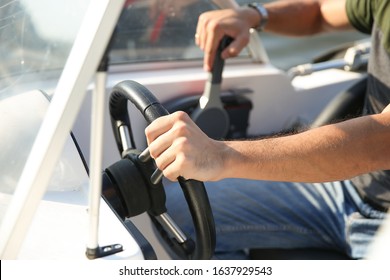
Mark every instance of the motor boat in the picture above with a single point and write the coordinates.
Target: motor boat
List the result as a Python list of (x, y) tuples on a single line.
[(80, 81)]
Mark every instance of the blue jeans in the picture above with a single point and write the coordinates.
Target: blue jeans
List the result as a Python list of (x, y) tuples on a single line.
[(262, 214)]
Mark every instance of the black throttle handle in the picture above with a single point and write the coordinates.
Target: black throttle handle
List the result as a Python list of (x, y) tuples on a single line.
[(219, 62), (210, 114)]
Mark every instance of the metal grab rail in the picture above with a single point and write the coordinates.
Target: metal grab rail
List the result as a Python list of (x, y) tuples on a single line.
[(354, 58)]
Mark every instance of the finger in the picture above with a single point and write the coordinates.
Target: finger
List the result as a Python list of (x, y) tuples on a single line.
[(163, 131), (205, 33), (175, 169), (235, 47), (198, 31), (201, 29), (197, 38), (157, 128), (160, 145), (173, 160), (165, 159), (211, 45)]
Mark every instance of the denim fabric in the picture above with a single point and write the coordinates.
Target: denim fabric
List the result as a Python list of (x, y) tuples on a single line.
[(262, 214)]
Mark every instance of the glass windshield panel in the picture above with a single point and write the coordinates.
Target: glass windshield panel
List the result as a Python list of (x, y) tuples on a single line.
[(151, 30), (36, 38)]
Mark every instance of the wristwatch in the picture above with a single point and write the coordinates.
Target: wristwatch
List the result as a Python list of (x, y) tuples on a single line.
[(263, 14)]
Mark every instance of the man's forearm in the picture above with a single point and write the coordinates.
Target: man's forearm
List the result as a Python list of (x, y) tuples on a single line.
[(329, 153), (306, 17)]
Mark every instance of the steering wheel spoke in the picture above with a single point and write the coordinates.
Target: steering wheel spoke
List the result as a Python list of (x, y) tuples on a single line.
[(157, 175), (171, 227)]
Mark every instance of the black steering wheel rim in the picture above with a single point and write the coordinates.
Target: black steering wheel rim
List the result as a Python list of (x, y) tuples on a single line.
[(194, 191)]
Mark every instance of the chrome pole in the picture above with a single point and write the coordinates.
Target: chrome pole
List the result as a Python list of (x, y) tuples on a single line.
[(96, 157)]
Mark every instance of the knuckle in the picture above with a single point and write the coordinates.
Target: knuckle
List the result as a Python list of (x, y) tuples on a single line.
[(159, 164), (152, 153), (204, 17), (179, 116), (180, 129), (213, 26), (171, 174), (233, 52), (182, 143), (148, 132)]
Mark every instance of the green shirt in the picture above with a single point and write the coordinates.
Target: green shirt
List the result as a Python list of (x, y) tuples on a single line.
[(373, 16), (364, 14)]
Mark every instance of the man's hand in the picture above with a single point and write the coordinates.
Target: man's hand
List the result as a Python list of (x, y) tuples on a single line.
[(180, 148), (213, 25)]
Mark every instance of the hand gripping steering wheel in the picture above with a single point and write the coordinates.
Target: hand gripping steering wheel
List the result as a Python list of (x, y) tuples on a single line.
[(133, 184)]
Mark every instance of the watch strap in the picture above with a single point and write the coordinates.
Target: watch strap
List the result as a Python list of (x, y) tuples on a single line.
[(263, 15)]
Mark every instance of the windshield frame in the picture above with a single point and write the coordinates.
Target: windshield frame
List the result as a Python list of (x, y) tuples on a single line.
[(84, 58)]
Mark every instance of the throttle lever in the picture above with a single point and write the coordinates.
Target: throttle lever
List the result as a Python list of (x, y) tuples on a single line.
[(219, 62), (210, 115)]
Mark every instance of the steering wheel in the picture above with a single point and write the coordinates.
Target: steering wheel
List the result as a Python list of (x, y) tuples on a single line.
[(133, 185)]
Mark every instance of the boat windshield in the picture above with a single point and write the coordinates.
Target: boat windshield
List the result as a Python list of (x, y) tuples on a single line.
[(37, 36), (36, 39), (150, 32)]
